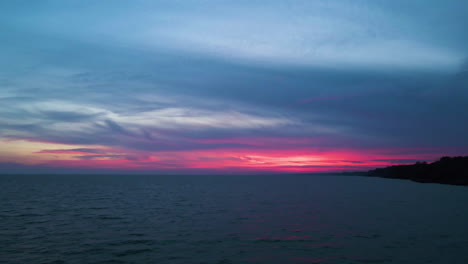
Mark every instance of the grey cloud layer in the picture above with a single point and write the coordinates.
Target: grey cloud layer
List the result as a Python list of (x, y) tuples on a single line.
[(162, 75), (338, 34)]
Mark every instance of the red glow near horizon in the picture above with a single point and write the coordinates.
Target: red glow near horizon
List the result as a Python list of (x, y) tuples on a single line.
[(243, 160), (289, 157)]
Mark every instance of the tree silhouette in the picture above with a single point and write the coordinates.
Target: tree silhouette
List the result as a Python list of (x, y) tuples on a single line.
[(449, 170)]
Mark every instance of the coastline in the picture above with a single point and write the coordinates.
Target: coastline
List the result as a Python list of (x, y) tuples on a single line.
[(446, 170)]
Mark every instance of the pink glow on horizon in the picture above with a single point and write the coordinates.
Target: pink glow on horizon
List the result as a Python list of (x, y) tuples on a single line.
[(245, 160), (285, 158)]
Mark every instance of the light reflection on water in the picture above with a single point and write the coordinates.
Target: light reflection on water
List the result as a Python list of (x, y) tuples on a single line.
[(230, 219)]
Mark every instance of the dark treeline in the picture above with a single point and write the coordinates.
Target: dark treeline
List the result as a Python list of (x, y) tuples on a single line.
[(448, 170)]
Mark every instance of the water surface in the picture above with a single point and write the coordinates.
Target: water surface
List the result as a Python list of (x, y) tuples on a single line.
[(230, 219)]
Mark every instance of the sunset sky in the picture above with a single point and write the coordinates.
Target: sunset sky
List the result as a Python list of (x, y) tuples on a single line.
[(231, 86)]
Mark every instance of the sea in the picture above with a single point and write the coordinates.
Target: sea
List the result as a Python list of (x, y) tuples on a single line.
[(223, 219)]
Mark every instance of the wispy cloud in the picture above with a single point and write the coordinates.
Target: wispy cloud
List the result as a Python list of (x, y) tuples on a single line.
[(71, 151)]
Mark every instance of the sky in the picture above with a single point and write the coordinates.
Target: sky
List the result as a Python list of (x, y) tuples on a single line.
[(231, 86)]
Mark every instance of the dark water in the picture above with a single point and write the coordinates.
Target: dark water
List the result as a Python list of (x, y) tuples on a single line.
[(230, 219)]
